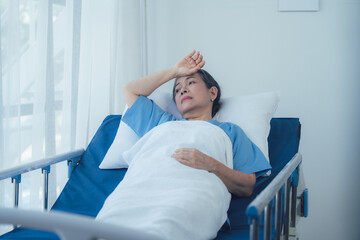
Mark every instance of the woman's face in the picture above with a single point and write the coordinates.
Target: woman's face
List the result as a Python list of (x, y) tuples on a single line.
[(193, 98)]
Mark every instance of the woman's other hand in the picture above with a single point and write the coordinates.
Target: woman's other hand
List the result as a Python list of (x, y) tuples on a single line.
[(194, 158), (238, 183), (189, 64)]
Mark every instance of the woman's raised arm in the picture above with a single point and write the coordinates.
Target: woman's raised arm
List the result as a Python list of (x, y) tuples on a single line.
[(146, 85)]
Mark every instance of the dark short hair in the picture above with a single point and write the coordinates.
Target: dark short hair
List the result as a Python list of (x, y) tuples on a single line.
[(209, 82)]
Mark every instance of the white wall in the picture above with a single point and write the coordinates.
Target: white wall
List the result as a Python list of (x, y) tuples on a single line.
[(311, 59)]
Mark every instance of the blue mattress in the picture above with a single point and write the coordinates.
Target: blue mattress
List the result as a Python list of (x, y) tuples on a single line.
[(89, 186)]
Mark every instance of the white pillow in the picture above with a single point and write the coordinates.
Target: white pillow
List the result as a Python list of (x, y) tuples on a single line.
[(252, 113)]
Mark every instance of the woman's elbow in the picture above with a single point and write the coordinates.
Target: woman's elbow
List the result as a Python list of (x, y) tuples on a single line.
[(248, 189), (243, 192), (129, 96), (126, 89)]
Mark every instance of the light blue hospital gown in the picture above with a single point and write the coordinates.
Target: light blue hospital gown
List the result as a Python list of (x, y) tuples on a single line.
[(144, 115)]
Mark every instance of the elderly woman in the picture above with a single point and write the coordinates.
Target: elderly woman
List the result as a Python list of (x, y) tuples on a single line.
[(181, 172), (197, 97)]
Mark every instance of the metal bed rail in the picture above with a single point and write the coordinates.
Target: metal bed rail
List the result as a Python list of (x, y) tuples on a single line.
[(15, 173), (70, 226), (288, 179)]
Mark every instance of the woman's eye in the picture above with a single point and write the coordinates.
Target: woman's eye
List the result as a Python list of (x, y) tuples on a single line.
[(177, 90), (191, 82)]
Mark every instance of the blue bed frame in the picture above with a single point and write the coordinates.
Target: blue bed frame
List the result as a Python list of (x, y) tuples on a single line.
[(269, 213)]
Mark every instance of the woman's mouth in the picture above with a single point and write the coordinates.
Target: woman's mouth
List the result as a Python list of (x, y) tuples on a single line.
[(185, 98)]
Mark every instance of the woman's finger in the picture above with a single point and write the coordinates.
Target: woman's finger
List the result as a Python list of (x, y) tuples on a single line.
[(201, 65), (199, 59), (182, 153), (182, 150), (184, 161), (196, 56), (191, 54)]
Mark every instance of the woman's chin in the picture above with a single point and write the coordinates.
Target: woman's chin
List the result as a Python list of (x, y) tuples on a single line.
[(184, 109)]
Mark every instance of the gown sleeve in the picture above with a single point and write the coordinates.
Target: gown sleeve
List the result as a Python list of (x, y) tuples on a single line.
[(247, 157), (144, 115)]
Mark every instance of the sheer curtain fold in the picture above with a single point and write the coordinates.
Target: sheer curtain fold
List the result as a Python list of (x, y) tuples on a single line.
[(125, 49), (2, 188), (111, 34), (63, 65)]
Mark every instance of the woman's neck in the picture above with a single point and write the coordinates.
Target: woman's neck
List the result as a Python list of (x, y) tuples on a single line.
[(192, 117)]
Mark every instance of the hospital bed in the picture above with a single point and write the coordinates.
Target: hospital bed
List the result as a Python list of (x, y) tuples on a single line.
[(271, 212)]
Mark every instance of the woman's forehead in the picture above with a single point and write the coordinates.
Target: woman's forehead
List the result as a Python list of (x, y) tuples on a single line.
[(185, 78)]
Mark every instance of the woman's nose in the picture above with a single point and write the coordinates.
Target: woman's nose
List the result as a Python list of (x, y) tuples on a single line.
[(183, 90)]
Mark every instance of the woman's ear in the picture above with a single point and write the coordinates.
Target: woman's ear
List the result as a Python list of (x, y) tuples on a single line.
[(213, 92)]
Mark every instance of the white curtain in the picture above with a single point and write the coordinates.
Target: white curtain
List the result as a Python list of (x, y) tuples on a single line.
[(63, 64), (110, 56)]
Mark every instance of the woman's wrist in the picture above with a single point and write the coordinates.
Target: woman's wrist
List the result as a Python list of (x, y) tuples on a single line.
[(173, 72), (214, 165)]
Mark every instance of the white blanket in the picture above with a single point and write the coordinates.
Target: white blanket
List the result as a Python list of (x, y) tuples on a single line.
[(164, 197)]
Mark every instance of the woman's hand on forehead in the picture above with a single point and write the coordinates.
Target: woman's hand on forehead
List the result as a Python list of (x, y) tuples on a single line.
[(190, 64)]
